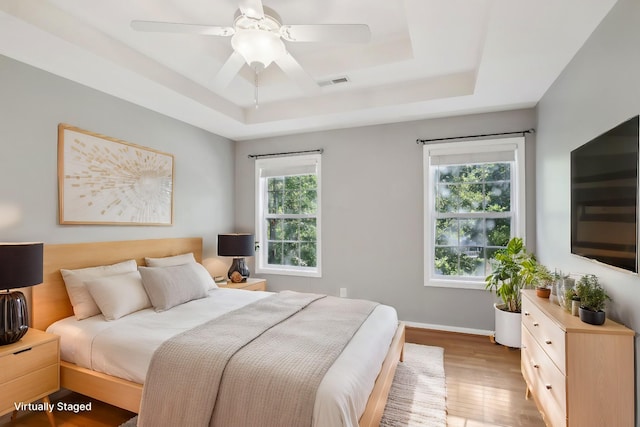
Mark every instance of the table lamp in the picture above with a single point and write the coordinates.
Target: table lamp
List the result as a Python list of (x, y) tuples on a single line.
[(238, 246), (20, 266)]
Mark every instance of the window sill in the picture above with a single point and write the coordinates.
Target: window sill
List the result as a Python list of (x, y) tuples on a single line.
[(455, 284), (288, 272)]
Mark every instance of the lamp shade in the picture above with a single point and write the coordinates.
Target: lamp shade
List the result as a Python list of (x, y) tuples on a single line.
[(236, 245), (20, 265)]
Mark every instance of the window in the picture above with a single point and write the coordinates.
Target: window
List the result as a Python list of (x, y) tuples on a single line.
[(288, 215), (474, 203)]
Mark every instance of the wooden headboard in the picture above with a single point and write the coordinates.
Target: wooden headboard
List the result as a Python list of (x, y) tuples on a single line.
[(50, 299)]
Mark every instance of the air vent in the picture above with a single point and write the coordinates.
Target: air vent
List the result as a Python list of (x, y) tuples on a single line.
[(336, 81)]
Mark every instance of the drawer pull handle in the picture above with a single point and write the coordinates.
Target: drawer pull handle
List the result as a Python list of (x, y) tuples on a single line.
[(535, 365), (548, 342), (526, 313), (22, 351), (548, 386), (536, 324)]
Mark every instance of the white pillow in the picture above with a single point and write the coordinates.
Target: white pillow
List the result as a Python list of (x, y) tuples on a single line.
[(170, 260), (119, 295), (83, 304), (174, 285)]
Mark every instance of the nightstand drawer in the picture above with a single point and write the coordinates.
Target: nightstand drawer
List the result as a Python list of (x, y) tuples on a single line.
[(549, 335), (34, 385), (28, 360), (261, 286), (249, 285)]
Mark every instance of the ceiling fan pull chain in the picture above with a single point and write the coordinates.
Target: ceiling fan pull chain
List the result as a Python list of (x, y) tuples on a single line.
[(255, 95)]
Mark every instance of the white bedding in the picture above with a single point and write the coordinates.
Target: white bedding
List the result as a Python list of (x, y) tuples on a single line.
[(123, 348)]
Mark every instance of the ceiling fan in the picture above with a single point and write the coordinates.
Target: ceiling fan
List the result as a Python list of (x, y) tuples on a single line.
[(257, 38)]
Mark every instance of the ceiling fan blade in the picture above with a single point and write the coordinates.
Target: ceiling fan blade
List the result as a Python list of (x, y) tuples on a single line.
[(251, 8), (229, 70), (174, 27), (294, 70), (342, 33)]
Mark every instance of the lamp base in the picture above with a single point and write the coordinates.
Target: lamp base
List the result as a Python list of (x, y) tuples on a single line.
[(239, 266), (14, 320)]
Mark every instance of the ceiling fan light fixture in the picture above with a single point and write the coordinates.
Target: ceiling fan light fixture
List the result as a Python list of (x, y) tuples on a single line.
[(259, 48)]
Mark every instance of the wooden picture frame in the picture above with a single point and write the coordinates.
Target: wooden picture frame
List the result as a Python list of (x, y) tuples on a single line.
[(103, 180)]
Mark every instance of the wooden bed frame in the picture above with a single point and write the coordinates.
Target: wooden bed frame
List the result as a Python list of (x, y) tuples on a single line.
[(51, 303)]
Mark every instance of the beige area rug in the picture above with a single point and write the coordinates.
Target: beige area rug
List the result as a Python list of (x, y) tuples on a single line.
[(418, 394)]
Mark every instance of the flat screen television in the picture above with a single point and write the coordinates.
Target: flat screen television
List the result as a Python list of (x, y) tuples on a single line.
[(604, 197)]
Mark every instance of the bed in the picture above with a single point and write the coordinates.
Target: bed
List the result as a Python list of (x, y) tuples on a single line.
[(51, 304)]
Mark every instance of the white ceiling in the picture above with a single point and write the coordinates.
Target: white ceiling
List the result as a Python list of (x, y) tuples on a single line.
[(426, 58)]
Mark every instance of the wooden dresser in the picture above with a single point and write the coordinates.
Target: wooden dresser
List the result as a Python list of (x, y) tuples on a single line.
[(579, 374)]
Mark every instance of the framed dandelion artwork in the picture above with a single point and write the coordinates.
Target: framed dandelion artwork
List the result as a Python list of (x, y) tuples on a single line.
[(103, 180)]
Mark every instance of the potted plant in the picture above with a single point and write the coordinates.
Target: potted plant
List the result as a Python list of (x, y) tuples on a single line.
[(513, 269), (544, 279), (592, 300)]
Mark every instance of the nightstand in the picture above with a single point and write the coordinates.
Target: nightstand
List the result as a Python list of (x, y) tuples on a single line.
[(30, 371), (249, 285)]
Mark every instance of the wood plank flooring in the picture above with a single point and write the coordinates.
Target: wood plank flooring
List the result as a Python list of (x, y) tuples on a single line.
[(484, 383), (484, 388)]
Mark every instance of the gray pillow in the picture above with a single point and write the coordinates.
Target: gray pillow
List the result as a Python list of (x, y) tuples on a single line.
[(174, 285)]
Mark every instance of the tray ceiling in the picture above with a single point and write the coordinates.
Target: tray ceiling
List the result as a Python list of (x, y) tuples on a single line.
[(426, 58)]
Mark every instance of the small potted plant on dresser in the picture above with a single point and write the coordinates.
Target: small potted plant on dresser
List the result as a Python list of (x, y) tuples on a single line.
[(544, 280), (592, 300)]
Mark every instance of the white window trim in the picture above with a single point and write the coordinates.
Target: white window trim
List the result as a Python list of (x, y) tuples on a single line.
[(261, 266), (518, 194)]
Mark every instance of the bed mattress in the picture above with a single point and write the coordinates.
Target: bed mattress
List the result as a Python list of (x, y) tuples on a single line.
[(124, 347)]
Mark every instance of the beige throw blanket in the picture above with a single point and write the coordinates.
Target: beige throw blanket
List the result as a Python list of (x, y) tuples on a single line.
[(256, 366)]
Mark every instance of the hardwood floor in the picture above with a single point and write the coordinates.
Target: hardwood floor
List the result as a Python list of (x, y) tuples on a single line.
[(484, 383), (484, 388)]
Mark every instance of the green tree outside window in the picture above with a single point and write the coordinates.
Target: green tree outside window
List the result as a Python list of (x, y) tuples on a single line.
[(473, 217), (291, 233)]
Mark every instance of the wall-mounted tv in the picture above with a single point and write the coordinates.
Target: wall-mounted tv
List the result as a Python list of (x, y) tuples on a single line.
[(604, 197)]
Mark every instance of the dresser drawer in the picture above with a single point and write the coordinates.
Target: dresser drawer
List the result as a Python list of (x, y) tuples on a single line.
[(29, 360), (547, 333), (32, 386), (545, 379)]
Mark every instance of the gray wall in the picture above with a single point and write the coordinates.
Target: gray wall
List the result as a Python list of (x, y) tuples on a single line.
[(599, 89), (33, 102), (372, 214)]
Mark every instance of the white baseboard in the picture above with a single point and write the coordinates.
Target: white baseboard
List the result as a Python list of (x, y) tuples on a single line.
[(450, 328)]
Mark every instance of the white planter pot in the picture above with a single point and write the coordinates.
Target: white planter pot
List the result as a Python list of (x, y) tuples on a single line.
[(508, 327)]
